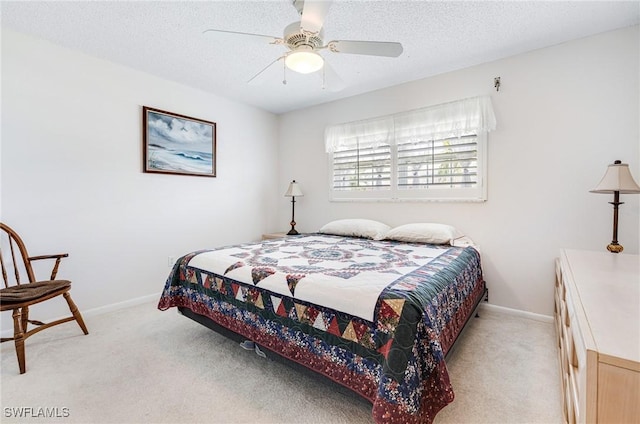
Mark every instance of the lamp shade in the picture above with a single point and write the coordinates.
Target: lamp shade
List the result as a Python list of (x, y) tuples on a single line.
[(304, 61), (294, 190), (617, 178)]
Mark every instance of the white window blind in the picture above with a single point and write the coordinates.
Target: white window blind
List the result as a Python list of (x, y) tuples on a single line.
[(367, 168), (446, 163), (431, 153)]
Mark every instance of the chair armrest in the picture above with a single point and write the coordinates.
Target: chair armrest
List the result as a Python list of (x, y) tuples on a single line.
[(57, 257)]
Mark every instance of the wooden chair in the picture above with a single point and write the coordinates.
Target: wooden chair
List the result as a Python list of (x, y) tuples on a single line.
[(18, 297)]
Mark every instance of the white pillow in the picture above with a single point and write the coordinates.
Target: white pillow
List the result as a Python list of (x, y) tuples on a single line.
[(431, 233), (366, 228)]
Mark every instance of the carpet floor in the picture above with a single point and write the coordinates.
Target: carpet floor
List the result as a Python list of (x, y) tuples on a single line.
[(140, 365)]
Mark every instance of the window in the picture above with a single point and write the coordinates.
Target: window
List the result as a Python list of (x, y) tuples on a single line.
[(435, 153)]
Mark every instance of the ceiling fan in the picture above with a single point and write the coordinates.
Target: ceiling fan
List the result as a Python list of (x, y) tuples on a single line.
[(304, 39)]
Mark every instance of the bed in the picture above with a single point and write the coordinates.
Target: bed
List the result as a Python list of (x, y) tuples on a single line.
[(375, 316)]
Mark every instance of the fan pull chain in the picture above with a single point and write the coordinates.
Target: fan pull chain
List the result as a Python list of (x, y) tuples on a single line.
[(324, 78), (284, 73)]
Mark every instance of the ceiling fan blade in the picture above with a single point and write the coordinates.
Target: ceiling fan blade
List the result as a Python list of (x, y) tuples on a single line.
[(330, 79), (313, 15), (255, 80), (272, 39), (373, 48)]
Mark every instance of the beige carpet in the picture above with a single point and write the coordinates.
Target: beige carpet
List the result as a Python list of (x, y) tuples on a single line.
[(140, 365)]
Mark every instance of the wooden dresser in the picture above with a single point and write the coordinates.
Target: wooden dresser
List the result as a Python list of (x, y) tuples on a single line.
[(597, 315)]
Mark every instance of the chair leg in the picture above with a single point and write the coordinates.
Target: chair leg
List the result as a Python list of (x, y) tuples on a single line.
[(25, 318), (18, 335), (76, 313)]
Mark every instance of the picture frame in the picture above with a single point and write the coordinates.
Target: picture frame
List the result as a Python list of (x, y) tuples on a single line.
[(177, 144)]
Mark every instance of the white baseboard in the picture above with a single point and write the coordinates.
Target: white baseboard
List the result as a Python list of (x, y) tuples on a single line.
[(121, 305), (517, 312), (101, 310)]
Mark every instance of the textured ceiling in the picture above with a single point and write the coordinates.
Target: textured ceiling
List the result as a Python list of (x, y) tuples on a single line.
[(166, 39)]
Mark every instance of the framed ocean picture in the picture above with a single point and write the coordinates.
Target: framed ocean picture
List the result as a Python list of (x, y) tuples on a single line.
[(178, 144)]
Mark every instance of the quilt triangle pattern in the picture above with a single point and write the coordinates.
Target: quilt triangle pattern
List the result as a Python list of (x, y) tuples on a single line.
[(350, 333), (320, 322), (220, 285), (206, 280), (395, 304), (233, 266), (259, 274), (300, 311), (389, 312), (254, 297), (275, 302), (364, 334), (359, 328), (235, 288), (192, 277), (292, 282), (241, 294), (334, 328), (292, 314), (385, 348), (390, 308), (282, 310), (259, 302), (311, 314)]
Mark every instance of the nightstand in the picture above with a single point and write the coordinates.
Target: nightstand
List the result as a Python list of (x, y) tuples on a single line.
[(270, 236)]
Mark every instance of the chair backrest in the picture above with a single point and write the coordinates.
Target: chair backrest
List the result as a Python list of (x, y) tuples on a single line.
[(14, 258)]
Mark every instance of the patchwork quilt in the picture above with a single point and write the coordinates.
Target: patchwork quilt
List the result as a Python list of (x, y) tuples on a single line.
[(375, 316)]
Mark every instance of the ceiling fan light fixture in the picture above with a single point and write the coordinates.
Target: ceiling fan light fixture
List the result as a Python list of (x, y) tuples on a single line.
[(304, 61)]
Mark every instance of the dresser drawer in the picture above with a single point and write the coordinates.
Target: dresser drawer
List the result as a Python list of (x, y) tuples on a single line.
[(577, 355), (569, 416), (574, 397)]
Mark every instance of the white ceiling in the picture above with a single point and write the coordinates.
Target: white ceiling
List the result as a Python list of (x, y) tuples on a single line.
[(166, 39)]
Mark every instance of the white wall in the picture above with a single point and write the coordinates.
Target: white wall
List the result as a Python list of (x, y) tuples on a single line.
[(71, 164), (72, 177), (564, 113)]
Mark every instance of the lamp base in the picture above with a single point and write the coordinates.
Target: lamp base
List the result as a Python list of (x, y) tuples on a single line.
[(615, 247), (292, 231)]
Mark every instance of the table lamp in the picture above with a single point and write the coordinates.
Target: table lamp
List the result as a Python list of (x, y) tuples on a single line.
[(293, 191), (616, 180)]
